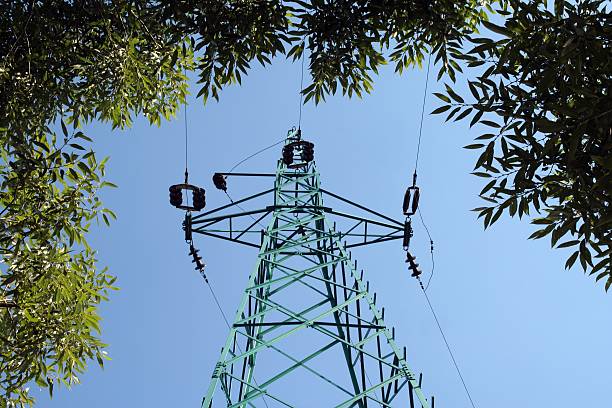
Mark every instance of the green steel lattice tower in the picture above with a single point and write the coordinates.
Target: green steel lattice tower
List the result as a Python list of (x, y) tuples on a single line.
[(308, 332)]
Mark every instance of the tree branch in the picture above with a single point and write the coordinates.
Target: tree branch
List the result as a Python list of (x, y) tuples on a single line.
[(7, 303)]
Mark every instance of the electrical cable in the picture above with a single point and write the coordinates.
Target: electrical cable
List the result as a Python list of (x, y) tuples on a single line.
[(255, 154), (416, 167), (433, 264), (229, 326), (224, 316), (301, 87), (215, 298), (283, 139), (431, 249), (250, 215), (448, 346), (186, 141), (244, 160), (416, 163)]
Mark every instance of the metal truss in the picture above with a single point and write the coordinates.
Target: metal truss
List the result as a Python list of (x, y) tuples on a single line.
[(307, 332)]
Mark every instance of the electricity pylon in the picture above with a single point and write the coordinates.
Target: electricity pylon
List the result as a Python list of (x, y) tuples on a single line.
[(308, 331)]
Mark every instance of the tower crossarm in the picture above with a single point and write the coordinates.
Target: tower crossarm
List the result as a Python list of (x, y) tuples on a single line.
[(234, 222)]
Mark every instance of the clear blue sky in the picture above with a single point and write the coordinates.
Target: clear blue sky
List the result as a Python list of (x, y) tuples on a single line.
[(525, 332)]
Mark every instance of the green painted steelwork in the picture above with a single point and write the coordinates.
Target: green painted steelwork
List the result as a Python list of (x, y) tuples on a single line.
[(307, 325)]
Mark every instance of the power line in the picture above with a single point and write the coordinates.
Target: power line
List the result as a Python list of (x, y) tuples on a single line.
[(244, 160), (424, 288), (215, 298), (186, 142), (229, 326), (416, 167), (448, 346), (416, 163), (250, 215), (256, 153), (301, 87), (186, 138), (431, 249)]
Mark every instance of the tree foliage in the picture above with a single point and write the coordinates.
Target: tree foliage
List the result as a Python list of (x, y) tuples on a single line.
[(65, 64), (543, 87), (544, 96), (347, 41)]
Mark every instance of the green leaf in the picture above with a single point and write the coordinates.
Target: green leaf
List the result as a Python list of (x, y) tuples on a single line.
[(440, 110), (76, 146), (476, 118), (571, 260), (490, 123), (488, 186), (454, 95), (497, 29), (495, 217), (442, 97), (64, 129), (585, 255), (463, 114), (474, 146), (84, 168), (80, 135), (568, 244)]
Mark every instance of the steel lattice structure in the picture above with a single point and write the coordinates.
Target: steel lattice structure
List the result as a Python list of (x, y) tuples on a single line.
[(308, 332)]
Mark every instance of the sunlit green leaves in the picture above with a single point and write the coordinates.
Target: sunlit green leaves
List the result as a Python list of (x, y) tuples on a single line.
[(73, 65), (49, 272)]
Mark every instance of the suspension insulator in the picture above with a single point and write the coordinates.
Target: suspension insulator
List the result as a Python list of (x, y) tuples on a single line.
[(176, 195), (413, 265), (220, 181), (411, 200), (307, 151), (197, 259), (288, 154), (415, 199), (198, 197)]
